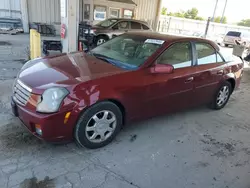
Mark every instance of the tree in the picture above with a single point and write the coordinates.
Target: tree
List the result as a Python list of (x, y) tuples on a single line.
[(190, 14), (218, 19), (164, 11), (177, 14), (245, 23)]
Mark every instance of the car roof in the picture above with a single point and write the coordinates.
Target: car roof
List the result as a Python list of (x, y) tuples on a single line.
[(128, 19), (171, 38)]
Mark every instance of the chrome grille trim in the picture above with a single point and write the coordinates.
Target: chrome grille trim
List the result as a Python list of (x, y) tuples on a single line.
[(24, 86), (21, 93)]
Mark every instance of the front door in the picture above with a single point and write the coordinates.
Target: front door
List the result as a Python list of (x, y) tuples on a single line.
[(209, 72), (172, 92)]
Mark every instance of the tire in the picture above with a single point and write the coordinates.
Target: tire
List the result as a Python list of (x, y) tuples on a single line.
[(100, 40), (226, 45), (84, 132), (215, 104)]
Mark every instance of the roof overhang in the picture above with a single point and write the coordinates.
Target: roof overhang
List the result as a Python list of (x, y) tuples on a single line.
[(125, 1)]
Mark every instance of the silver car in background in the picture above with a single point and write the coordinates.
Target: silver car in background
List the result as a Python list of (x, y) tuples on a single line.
[(232, 36), (110, 28)]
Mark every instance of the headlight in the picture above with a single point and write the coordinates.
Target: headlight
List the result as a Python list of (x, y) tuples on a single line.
[(51, 100)]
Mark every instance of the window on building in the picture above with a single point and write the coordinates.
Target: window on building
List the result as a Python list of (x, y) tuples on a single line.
[(114, 13), (135, 25), (87, 11), (205, 54), (178, 55), (128, 14), (100, 12)]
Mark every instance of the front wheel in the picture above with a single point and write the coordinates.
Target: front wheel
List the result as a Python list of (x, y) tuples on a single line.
[(101, 39), (98, 125), (222, 96)]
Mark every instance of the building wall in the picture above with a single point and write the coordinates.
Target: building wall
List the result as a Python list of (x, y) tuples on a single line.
[(44, 11), (146, 10), (10, 8)]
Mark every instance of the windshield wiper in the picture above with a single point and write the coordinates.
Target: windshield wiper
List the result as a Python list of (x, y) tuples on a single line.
[(112, 61), (103, 57)]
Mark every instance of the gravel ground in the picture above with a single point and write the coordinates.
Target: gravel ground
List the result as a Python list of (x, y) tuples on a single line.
[(192, 149)]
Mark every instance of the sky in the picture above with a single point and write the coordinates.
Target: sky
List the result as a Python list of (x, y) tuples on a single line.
[(236, 9)]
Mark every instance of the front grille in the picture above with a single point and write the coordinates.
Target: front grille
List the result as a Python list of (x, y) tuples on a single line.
[(21, 93)]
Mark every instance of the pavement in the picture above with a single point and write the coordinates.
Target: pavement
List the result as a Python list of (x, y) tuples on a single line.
[(192, 149)]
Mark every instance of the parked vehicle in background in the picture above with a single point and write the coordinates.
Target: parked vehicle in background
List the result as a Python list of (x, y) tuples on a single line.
[(110, 28), (232, 36), (135, 76)]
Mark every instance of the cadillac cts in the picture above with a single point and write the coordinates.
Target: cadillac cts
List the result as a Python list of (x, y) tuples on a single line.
[(88, 97)]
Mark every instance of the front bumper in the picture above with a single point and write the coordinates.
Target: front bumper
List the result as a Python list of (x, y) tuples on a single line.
[(53, 126)]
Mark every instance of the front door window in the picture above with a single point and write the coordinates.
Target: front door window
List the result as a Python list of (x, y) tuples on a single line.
[(123, 25), (178, 55)]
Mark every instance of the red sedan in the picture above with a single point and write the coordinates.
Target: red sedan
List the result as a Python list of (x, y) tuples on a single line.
[(90, 96)]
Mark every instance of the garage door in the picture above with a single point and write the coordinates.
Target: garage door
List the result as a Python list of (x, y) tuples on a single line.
[(44, 11)]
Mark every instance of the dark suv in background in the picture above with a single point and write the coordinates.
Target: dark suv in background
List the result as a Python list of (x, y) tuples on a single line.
[(107, 29)]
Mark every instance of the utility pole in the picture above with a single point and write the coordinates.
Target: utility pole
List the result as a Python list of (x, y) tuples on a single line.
[(215, 8), (224, 10), (207, 27)]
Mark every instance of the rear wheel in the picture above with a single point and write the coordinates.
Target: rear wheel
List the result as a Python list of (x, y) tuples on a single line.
[(226, 45), (98, 125), (222, 96)]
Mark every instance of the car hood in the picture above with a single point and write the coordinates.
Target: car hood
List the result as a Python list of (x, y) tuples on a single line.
[(65, 70)]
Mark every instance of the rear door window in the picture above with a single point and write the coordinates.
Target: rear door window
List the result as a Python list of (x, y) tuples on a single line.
[(178, 55), (206, 54), (135, 25), (234, 34)]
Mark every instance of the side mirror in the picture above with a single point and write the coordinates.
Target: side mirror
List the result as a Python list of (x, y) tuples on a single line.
[(162, 68)]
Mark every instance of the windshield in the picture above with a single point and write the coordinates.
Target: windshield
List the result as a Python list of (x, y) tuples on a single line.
[(127, 51), (107, 23)]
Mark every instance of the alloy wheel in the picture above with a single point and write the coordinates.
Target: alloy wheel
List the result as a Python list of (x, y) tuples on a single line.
[(101, 126), (223, 96)]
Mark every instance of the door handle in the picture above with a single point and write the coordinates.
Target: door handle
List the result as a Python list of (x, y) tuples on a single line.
[(220, 72), (188, 80)]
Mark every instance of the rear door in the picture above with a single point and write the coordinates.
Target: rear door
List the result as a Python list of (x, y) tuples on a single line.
[(210, 71), (135, 26)]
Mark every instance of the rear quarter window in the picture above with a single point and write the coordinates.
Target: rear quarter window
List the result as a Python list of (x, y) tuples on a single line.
[(145, 27), (233, 34)]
